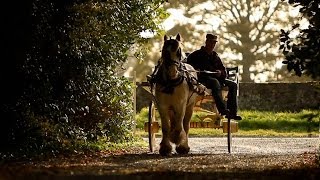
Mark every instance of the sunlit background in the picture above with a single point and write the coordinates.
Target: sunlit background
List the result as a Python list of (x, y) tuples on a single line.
[(248, 33)]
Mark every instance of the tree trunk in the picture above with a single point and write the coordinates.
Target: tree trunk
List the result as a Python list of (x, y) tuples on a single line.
[(247, 61), (245, 77)]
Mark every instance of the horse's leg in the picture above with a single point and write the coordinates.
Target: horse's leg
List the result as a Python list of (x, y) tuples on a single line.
[(177, 133), (165, 146), (184, 148)]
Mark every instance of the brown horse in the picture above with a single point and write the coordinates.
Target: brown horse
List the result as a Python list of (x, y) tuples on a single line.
[(175, 97)]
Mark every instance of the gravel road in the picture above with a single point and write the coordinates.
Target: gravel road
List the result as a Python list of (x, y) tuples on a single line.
[(261, 146), (251, 158)]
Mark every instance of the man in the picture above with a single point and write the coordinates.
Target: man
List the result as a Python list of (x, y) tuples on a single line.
[(206, 59)]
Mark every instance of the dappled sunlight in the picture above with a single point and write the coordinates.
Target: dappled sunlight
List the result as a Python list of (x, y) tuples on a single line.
[(176, 17), (279, 64), (244, 36)]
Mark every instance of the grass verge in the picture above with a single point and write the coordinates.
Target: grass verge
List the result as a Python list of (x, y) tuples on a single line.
[(304, 123)]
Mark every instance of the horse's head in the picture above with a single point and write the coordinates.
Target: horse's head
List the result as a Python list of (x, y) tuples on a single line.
[(171, 56)]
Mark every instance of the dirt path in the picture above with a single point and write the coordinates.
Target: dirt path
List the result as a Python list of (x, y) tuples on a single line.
[(251, 158)]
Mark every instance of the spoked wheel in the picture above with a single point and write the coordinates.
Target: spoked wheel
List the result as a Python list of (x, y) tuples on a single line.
[(151, 119), (228, 131), (229, 135)]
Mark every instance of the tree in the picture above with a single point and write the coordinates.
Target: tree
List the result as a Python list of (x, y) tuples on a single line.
[(64, 57), (302, 52), (248, 32)]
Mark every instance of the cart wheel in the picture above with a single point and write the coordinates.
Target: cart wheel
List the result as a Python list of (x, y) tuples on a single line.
[(229, 135), (151, 119)]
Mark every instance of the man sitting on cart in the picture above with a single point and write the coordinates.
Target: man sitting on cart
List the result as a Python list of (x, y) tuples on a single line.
[(206, 59)]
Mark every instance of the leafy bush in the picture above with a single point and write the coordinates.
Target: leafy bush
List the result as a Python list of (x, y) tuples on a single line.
[(302, 52), (71, 91)]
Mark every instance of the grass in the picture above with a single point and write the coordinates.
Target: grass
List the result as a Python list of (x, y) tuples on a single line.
[(304, 123)]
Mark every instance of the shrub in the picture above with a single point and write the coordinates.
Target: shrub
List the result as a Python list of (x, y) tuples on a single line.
[(70, 88)]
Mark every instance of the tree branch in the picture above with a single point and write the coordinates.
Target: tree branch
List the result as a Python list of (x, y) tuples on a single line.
[(266, 21)]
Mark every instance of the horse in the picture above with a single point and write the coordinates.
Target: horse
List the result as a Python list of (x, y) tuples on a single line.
[(175, 96)]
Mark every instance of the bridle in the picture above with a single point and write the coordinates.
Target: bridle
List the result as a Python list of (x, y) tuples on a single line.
[(168, 73), (171, 55), (171, 59)]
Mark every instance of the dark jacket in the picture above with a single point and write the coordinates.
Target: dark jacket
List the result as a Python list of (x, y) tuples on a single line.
[(201, 60)]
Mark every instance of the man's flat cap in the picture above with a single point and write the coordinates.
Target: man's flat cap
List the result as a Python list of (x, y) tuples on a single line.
[(212, 37)]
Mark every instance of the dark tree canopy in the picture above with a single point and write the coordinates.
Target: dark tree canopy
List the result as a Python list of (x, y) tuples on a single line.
[(302, 53)]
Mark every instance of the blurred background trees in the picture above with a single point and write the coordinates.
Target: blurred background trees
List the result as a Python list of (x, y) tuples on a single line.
[(248, 34)]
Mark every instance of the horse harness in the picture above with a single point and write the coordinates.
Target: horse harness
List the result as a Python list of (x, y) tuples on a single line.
[(168, 85)]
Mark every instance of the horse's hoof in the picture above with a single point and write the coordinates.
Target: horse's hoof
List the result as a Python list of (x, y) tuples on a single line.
[(165, 150), (182, 150)]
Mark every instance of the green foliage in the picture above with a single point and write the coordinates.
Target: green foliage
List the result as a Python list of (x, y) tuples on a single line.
[(302, 52), (71, 92), (141, 118)]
